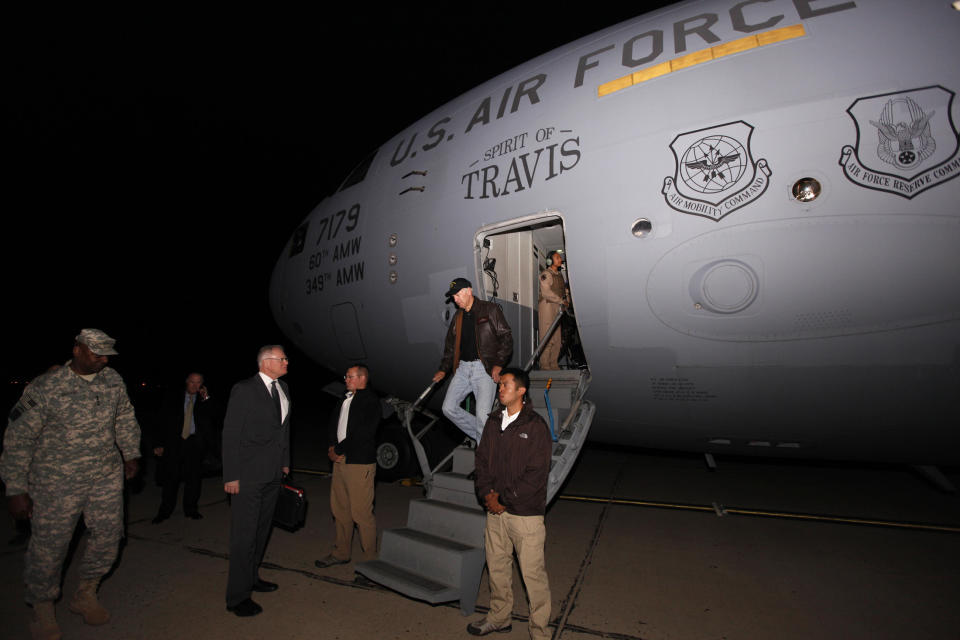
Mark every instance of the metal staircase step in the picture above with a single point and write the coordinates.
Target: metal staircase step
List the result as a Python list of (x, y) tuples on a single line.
[(562, 389), (436, 558), (428, 567), (455, 488), (565, 376), (463, 460), (454, 481), (406, 582), (451, 521), (560, 397)]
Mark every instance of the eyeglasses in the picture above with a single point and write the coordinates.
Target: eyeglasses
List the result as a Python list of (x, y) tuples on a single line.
[(353, 375), (275, 358)]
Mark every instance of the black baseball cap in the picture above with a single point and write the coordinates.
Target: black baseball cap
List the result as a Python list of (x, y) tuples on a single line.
[(456, 285)]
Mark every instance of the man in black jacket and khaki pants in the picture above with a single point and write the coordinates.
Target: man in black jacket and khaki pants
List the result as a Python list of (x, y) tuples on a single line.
[(513, 468), (353, 456)]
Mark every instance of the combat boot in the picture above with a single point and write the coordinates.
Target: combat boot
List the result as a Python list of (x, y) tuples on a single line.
[(85, 602), (44, 626)]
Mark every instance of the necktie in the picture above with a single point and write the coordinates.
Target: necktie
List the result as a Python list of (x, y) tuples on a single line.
[(187, 419), (276, 399)]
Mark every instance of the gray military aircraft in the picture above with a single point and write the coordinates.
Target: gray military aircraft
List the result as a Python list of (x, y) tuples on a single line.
[(757, 205)]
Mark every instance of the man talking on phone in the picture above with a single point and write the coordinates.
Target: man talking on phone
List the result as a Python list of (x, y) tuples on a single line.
[(187, 426)]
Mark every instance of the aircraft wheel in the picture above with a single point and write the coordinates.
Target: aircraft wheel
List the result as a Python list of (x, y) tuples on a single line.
[(394, 455)]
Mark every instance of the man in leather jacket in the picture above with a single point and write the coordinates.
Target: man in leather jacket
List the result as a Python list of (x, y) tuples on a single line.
[(479, 344)]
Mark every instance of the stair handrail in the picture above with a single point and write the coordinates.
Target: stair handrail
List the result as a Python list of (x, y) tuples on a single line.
[(405, 411), (428, 473), (545, 338)]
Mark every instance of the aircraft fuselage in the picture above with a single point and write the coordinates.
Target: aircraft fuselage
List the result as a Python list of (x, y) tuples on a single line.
[(758, 209)]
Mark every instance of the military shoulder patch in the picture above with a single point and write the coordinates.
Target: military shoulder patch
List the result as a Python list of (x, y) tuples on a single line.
[(25, 405)]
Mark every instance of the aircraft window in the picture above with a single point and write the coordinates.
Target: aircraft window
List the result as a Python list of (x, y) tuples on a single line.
[(359, 172), (806, 189), (299, 239), (642, 227)]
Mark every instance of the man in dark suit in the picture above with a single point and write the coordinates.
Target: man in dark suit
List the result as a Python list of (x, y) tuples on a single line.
[(187, 426), (352, 436), (256, 452)]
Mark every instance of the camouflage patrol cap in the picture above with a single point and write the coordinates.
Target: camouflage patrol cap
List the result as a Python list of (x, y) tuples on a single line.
[(98, 342)]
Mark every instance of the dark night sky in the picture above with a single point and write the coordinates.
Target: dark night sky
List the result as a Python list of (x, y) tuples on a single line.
[(157, 163)]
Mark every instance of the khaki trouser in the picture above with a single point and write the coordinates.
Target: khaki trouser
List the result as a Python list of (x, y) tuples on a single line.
[(551, 351), (351, 501), (525, 534)]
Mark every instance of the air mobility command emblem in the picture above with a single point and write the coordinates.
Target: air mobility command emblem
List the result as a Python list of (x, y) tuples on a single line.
[(906, 141), (715, 171)]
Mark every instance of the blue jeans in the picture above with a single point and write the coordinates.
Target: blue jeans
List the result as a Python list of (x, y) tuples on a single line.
[(470, 376)]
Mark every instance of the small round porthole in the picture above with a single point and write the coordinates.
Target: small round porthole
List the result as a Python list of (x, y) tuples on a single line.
[(641, 228), (806, 189)]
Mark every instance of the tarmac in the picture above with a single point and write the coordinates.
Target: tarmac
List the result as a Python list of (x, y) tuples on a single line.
[(640, 545)]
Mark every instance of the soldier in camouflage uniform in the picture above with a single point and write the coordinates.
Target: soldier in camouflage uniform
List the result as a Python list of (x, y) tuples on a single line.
[(62, 457)]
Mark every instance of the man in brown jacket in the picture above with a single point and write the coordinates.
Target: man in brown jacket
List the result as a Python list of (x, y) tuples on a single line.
[(513, 467), (479, 344)]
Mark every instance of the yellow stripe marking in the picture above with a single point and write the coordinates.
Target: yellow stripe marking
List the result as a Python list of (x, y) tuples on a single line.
[(615, 85), (650, 72), (700, 57), (729, 48), (691, 59)]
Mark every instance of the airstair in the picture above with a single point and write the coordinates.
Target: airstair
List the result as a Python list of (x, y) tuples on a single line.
[(439, 556)]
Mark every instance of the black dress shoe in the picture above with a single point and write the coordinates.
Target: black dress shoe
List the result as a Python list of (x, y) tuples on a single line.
[(245, 608), (160, 518), (263, 586), (195, 515)]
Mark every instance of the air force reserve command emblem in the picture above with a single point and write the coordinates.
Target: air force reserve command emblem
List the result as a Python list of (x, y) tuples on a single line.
[(715, 172), (906, 141)]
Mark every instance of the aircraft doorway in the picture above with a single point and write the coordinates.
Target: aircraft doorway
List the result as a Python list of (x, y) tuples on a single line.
[(509, 258)]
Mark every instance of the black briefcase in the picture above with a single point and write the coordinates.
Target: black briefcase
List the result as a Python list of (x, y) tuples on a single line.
[(291, 506)]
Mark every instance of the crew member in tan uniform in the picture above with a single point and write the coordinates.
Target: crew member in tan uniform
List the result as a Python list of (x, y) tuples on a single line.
[(552, 296)]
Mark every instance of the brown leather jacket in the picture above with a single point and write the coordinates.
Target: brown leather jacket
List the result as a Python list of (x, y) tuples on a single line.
[(494, 338)]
